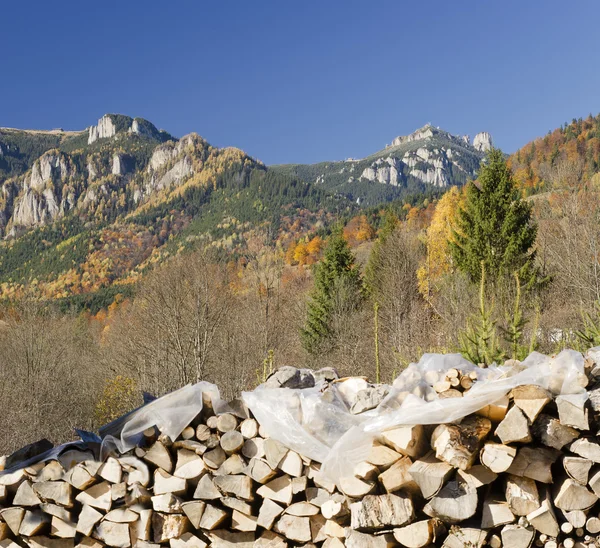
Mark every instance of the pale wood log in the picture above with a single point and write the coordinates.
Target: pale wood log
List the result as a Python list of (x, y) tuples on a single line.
[(586, 449), (118, 492), (194, 510), (88, 518), (465, 537), (189, 465), (376, 512), (237, 504), (313, 472), (278, 490), (137, 494), (97, 496), (382, 456), (420, 534), (42, 541), (53, 471), (294, 528), (58, 492), (302, 509), (232, 442), (166, 483), (125, 515), (407, 440), (317, 496), (168, 526), (13, 518), (226, 422), (592, 525), (113, 534), (356, 488), (334, 529), (254, 448), (514, 427), (160, 456), (260, 471), (578, 469), (206, 489), (478, 475), (544, 520), (291, 464), (34, 523), (576, 518), (456, 502), (497, 457), (335, 508), (442, 386), (495, 411), (430, 474), (25, 495), (56, 510), (249, 428), (111, 470), (552, 433), (317, 529), (274, 452), (243, 522), (240, 486), (522, 495), (534, 463), (495, 513), (167, 503), (572, 411), (398, 477), (137, 471), (268, 513), (531, 399), (233, 465), (452, 393), (214, 458), (187, 540), (517, 536), (459, 445), (356, 539), (202, 432), (366, 471), (573, 496)]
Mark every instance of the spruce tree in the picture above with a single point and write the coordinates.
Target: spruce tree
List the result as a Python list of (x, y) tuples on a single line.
[(335, 273), (495, 227)]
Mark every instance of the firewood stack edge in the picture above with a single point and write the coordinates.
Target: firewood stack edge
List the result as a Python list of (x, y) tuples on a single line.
[(523, 471)]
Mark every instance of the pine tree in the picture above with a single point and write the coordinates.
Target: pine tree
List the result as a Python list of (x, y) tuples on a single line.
[(337, 272), (372, 270), (495, 227)]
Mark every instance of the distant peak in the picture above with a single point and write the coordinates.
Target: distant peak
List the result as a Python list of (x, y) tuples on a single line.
[(111, 124), (482, 141)]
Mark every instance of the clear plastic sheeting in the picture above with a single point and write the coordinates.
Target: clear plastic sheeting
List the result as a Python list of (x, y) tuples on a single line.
[(316, 422), (170, 414)]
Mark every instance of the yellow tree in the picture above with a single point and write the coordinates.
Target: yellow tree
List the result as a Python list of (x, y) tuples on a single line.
[(438, 260)]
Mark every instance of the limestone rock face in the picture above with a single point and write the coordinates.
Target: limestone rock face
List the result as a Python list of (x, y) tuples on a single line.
[(51, 166), (387, 171), (105, 128), (483, 141), (118, 166)]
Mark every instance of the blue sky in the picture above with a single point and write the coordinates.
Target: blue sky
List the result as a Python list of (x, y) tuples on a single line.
[(303, 81)]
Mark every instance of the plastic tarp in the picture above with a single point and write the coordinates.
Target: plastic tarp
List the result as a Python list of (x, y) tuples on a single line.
[(316, 422)]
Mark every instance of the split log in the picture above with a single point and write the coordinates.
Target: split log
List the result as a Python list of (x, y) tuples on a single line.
[(586, 449), (465, 537), (98, 496), (356, 488), (459, 445), (544, 520), (398, 477), (113, 534), (160, 456), (268, 513), (534, 463), (531, 399), (578, 469), (517, 536), (243, 522), (194, 510), (291, 464), (168, 526), (232, 442), (572, 411), (240, 486), (166, 483), (260, 471), (226, 423), (495, 513), (430, 474), (573, 496), (420, 534), (514, 427), (497, 457), (278, 490), (522, 495), (293, 528), (552, 433), (406, 440), (477, 475), (456, 502), (378, 512), (212, 517)]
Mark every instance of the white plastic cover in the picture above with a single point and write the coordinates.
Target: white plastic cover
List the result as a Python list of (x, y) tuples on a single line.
[(316, 422)]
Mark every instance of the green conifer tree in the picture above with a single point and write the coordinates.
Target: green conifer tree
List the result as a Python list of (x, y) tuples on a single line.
[(336, 276), (495, 227)]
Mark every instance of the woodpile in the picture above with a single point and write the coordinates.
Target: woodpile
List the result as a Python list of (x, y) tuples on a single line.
[(524, 471)]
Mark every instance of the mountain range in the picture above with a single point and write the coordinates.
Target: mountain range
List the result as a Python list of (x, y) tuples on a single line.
[(83, 212)]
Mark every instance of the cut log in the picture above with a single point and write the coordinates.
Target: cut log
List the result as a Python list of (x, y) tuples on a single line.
[(254, 448), (206, 489), (534, 463), (586, 449), (576, 518), (237, 504), (578, 469), (222, 538), (514, 427), (97, 496), (552, 433), (420, 534), (166, 483), (160, 456), (477, 475), (430, 474), (233, 465), (167, 503), (260, 471), (111, 470), (249, 428), (226, 423), (187, 540), (61, 528), (240, 486), (497, 457), (274, 452), (113, 534), (592, 525), (456, 502), (168, 526), (268, 513), (573, 496), (366, 471), (268, 539), (278, 490), (291, 464), (465, 537), (189, 465), (495, 411), (398, 477), (544, 520), (137, 471), (232, 442), (517, 536), (293, 528), (25, 495), (242, 522), (378, 512), (34, 523), (88, 518), (459, 445), (194, 510), (356, 539), (572, 411), (522, 495), (304, 509), (215, 458), (13, 518), (58, 511), (58, 492), (407, 440), (53, 471), (356, 488), (531, 399), (495, 513)]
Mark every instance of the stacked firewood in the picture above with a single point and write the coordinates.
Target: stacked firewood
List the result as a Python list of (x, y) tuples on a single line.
[(523, 471)]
